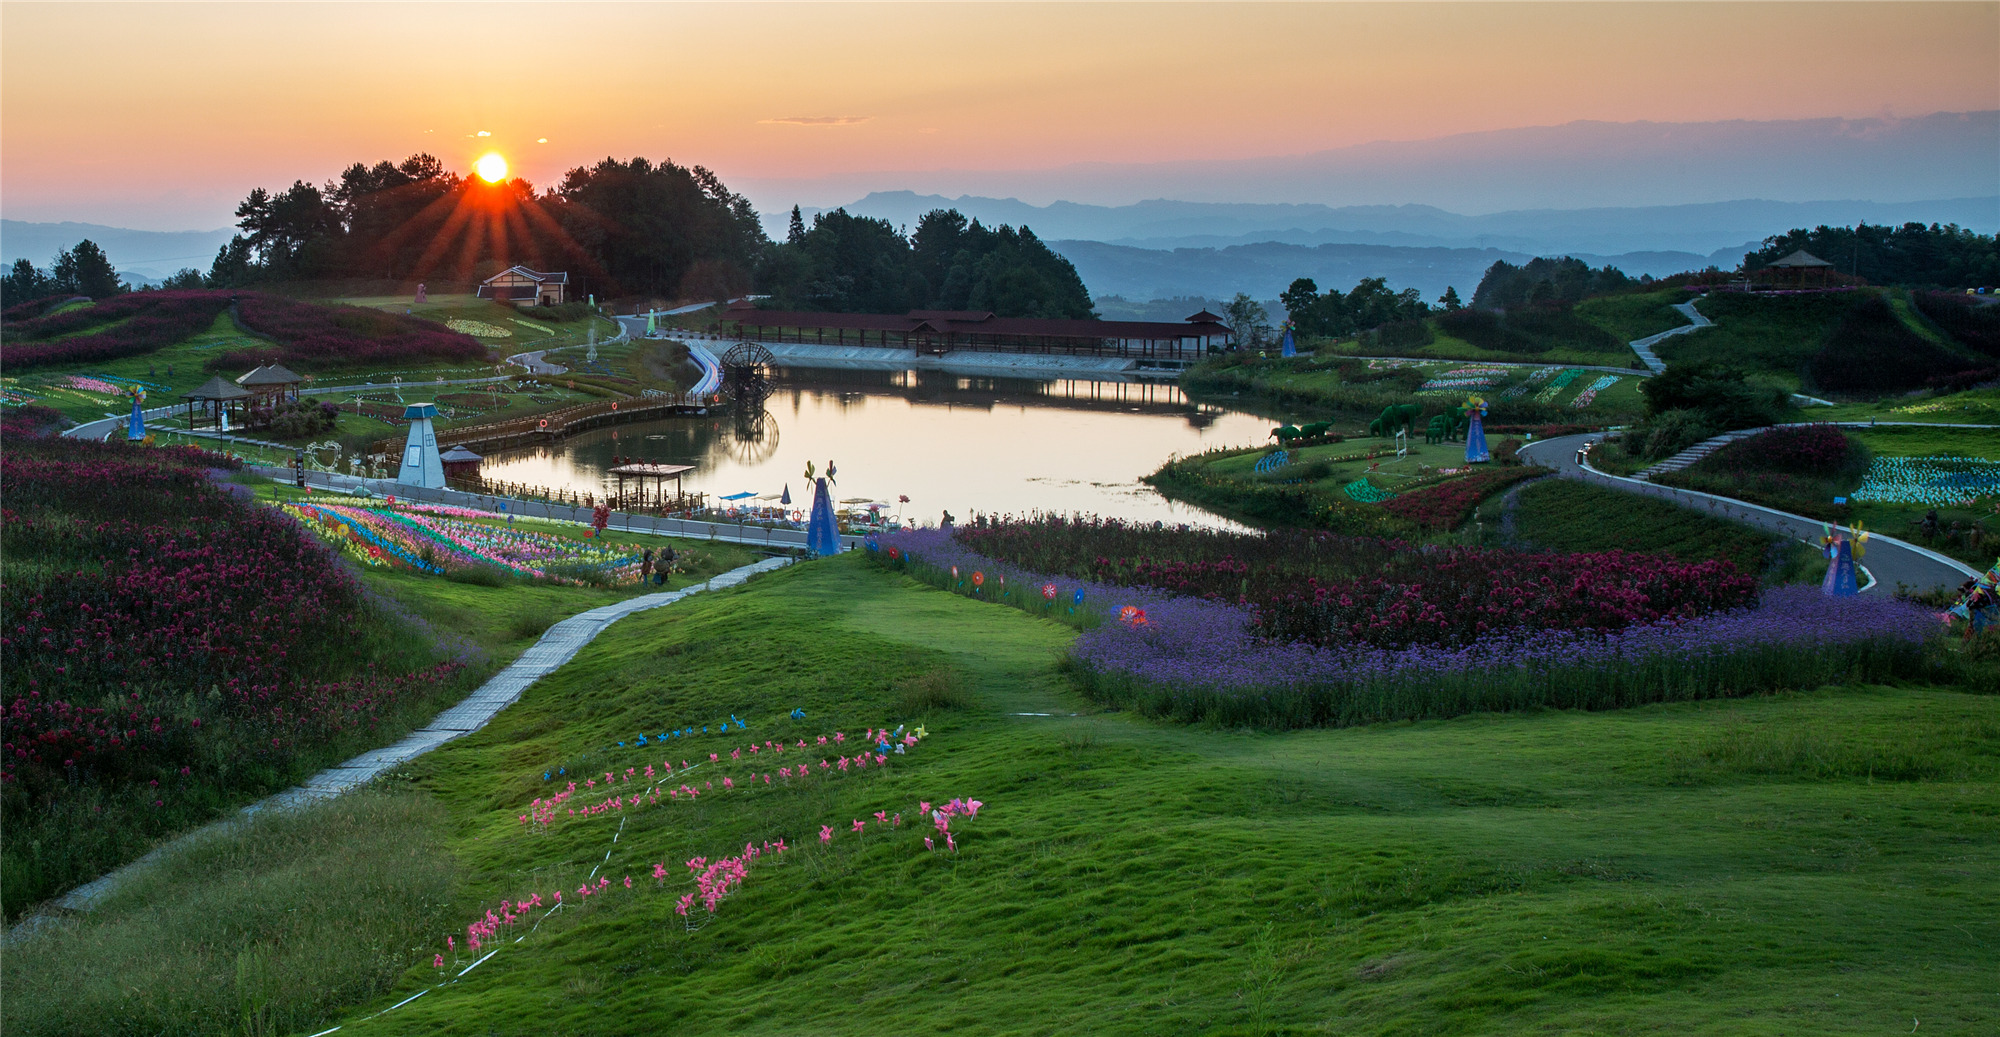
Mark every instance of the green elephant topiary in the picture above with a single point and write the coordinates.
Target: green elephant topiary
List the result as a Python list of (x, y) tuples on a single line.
[(1395, 416)]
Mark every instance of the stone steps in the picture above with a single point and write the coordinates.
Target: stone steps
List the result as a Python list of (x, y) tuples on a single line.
[(1697, 452)]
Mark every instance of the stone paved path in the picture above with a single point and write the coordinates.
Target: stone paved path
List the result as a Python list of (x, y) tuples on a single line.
[(1644, 346), (1891, 560), (557, 646)]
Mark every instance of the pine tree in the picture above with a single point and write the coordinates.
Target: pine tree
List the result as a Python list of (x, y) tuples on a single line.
[(1450, 301), (797, 233)]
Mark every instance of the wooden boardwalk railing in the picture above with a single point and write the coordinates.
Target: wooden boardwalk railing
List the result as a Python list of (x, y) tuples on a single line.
[(555, 424), (630, 502)]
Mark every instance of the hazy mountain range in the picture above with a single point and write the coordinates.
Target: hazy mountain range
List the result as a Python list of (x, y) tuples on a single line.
[(142, 256), (1577, 165), (1264, 270), (1162, 224)]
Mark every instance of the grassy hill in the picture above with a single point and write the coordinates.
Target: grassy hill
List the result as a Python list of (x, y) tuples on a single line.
[(1819, 861)]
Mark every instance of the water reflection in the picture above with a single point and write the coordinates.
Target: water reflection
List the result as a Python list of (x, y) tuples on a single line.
[(948, 442)]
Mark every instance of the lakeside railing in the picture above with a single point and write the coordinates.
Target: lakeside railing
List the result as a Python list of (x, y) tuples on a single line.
[(558, 423)]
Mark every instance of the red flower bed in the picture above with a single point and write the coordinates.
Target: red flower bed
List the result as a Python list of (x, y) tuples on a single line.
[(1333, 590), (1448, 504), (141, 323), (1797, 450), (33, 308), (342, 336)]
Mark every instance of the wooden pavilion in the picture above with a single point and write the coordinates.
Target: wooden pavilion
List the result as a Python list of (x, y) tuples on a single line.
[(271, 385), (1797, 268), (460, 463), (650, 487), (218, 397)]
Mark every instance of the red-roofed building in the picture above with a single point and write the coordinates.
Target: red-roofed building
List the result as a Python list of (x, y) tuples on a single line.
[(522, 286)]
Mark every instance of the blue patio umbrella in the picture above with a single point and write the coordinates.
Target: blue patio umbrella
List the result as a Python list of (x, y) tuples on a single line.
[(786, 500), (822, 533), (1290, 348)]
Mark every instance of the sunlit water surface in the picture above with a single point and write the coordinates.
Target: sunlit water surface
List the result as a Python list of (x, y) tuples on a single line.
[(967, 445)]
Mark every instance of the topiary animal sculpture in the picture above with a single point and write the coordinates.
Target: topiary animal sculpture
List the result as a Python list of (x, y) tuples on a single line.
[(1395, 416)]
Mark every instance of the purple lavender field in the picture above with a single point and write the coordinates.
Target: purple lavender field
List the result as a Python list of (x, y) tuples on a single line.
[(1192, 659)]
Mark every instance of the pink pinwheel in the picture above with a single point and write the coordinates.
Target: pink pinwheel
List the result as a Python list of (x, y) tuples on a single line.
[(882, 816), (438, 962), (858, 826), (923, 807), (826, 833), (951, 843), (927, 843)]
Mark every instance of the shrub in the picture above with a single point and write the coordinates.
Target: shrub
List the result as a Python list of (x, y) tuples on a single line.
[(1821, 450), (1669, 433), (169, 644), (1724, 394), (1402, 334)]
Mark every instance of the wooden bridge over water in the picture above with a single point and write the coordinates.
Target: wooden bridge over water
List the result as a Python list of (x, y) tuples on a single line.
[(552, 426)]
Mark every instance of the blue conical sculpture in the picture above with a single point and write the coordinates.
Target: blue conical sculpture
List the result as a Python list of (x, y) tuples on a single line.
[(1290, 347), (822, 532), (136, 430), (1475, 431)]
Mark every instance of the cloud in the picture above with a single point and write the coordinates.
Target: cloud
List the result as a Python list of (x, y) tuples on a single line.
[(817, 120)]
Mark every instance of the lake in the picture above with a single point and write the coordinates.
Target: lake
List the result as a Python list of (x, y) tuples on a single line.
[(948, 442)]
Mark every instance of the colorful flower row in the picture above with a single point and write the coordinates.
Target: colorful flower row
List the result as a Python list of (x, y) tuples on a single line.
[(1555, 388), (1933, 481), (532, 326), (875, 749), (1588, 395), (416, 537)]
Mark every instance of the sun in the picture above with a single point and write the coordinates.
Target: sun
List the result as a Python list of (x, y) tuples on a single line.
[(491, 167)]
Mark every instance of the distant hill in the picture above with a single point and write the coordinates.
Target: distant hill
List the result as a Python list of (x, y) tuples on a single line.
[(1576, 165), (1700, 229), (140, 255), (1264, 270)]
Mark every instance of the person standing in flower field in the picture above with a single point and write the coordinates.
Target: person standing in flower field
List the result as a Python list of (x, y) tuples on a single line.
[(646, 567), (668, 558)]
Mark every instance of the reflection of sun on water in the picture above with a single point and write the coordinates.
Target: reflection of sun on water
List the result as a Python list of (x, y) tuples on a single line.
[(491, 167)]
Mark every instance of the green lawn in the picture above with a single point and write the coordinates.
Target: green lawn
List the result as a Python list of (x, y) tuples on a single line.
[(1446, 347), (1634, 316), (1772, 336), (1729, 866)]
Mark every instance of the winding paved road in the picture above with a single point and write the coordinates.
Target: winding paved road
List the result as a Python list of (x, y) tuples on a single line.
[(1892, 561)]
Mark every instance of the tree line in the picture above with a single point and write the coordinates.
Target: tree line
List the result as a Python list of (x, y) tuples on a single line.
[(1912, 255), (857, 264), (83, 270)]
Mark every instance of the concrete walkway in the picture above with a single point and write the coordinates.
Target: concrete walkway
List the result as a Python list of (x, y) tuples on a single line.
[(1893, 562), (557, 646), (1644, 346)]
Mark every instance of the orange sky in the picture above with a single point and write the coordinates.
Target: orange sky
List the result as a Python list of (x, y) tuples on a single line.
[(162, 115)]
